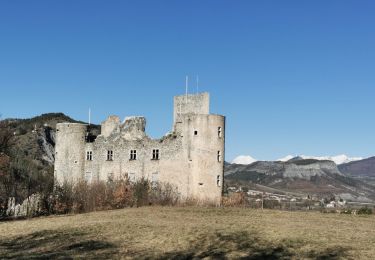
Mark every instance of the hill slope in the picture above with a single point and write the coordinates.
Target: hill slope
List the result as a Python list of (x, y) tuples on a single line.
[(34, 138), (362, 168), (313, 177), (31, 152)]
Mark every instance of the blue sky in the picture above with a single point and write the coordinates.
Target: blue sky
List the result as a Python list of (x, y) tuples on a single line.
[(292, 77)]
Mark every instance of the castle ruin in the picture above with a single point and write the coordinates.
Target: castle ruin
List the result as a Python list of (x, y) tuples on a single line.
[(190, 157)]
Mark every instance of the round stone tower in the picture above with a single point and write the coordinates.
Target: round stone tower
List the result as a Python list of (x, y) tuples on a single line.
[(205, 143), (70, 151)]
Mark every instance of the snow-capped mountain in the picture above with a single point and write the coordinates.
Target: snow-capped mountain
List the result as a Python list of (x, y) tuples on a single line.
[(286, 158), (338, 159), (244, 159)]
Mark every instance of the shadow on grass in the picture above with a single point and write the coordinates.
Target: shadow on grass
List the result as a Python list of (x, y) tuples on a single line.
[(55, 244), (69, 244), (244, 245)]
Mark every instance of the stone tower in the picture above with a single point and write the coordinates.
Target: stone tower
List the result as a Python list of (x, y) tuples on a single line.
[(69, 151), (191, 157)]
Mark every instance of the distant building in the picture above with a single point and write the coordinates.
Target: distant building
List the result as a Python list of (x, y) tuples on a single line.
[(191, 157), (332, 204)]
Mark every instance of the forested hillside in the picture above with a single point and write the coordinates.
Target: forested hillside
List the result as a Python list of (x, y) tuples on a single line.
[(27, 155)]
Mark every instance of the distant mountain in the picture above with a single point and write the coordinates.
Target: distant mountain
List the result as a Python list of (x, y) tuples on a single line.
[(244, 159), (359, 169), (304, 176), (338, 159)]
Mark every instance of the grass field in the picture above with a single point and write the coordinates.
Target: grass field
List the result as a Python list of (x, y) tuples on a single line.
[(188, 232)]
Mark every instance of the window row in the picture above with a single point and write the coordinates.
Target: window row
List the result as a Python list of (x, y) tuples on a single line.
[(219, 132), (133, 155)]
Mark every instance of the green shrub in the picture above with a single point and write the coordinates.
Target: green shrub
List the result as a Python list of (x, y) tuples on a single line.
[(119, 193), (346, 211), (141, 192), (364, 211)]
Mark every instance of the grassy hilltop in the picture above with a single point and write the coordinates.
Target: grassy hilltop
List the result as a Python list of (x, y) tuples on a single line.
[(186, 232)]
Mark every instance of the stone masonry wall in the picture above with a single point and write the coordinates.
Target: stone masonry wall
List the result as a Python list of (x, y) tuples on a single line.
[(188, 157)]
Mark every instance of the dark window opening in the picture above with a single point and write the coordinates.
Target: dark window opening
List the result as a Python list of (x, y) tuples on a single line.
[(218, 156), (90, 138), (133, 154), (109, 155), (90, 134), (155, 154), (89, 155), (219, 132), (195, 132), (218, 181)]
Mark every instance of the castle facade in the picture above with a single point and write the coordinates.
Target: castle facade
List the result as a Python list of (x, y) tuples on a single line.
[(190, 157)]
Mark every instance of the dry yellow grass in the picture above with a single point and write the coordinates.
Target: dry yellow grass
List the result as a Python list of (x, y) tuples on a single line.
[(188, 232)]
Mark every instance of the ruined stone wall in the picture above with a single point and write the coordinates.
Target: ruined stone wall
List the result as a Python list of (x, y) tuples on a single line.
[(188, 157), (110, 126), (170, 167)]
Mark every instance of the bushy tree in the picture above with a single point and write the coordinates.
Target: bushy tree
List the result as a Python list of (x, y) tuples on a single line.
[(141, 190), (5, 137), (364, 211)]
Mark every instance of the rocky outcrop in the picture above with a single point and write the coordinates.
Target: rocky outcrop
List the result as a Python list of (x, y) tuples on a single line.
[(134, 128), (46, 140), (303, 169), (32, 206), (299, 169), (305, 176)]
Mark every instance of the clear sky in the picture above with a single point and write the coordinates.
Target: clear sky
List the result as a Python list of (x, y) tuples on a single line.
[(292, 77)]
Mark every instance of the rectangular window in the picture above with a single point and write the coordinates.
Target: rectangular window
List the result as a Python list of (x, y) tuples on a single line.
[(110, 177), (218, 156), (89, 155), (133, 154), (195, 132), (109, 155), (155, 154), (218, 181), (219, 134)]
